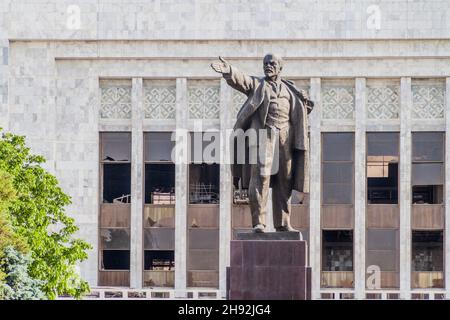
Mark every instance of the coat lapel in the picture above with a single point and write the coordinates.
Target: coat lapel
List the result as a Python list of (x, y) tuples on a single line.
[(250, 106)]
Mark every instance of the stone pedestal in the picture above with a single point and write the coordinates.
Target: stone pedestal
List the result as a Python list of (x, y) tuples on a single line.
[(266, 268)]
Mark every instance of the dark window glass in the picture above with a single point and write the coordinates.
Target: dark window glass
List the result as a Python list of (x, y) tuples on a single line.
[(337, 168), (116, 259), (382, 144), (159, 239), (338, 172), (427, 251), (337, 146), (203, 260), (337, 250), (427, 174), (160, 183), (116, 182), (383, 249), (115, 238), (159, 260), (337, 193), (427, 146), (116, 146), (203, 249), (204, 239), (428, 194), (204, 183), (158, 146)]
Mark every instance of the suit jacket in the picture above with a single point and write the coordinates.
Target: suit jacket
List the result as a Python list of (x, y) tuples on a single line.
[(253, 114)]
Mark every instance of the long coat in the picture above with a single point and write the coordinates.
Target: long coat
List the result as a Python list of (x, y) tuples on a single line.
[(253, 114)]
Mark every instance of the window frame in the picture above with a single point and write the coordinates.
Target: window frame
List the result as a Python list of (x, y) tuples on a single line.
[(441, 162), (352, 162), (367, 133)]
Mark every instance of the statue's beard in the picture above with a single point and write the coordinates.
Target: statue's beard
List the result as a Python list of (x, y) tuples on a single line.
[(271, 74)]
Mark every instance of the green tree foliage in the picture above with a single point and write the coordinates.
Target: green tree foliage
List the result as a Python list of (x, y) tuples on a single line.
[(18, 285), (14, 258), (37, 215)]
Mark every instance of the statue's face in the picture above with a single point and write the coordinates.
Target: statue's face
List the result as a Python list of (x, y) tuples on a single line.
[(272, 65)]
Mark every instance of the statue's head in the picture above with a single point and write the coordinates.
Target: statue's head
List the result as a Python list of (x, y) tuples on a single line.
[(273, 64)]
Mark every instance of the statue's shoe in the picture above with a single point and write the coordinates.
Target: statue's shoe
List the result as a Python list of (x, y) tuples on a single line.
[(259, 228), (285, 228)]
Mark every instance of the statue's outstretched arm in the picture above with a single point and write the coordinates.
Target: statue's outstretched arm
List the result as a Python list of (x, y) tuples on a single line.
[(235, 78)]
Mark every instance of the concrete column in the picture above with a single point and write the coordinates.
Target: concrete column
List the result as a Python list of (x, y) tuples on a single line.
[(89, 268), (137, 159), (181, 187), (90, 231), (447, 189), (226, 184), (405, 187), (315, 190), (360, 189), (4, 105)]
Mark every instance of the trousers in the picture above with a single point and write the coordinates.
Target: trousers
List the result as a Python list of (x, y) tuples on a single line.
[(273, 169)]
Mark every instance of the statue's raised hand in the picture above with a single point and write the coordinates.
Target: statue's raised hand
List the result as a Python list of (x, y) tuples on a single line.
[(221, 66)]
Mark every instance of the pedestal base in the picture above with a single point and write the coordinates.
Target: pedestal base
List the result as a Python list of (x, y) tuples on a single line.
[(268, 270)]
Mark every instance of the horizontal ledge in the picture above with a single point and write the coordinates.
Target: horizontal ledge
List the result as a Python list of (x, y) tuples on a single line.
[(224, 39), (296, 58)]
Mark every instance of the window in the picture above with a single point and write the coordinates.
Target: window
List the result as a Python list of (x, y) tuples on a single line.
[(383, 249), (159, 260), (115, 161), (115, 248), (159, 246), (382, 167), (159, 168), (204, 170), (116, 167), (203, 249), (337, 250), (159, 231), (427, 251), (428, 167), (337, 168)]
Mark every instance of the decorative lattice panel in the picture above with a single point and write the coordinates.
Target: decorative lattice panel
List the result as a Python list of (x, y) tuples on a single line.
[(115, 101), (159, 100), (338, 102), (383, 102), (428, 101), (203, 101)]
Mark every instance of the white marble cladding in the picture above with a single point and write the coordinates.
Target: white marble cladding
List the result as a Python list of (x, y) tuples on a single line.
[(382, 99), (203, 99), (190, 19), (159, 99), (115, 101), (428, 99), (338, 100)]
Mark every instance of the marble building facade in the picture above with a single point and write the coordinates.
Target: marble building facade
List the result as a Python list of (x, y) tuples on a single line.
[(139, 66)]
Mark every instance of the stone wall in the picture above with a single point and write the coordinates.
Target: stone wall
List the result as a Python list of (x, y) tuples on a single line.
[(236, 19)]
